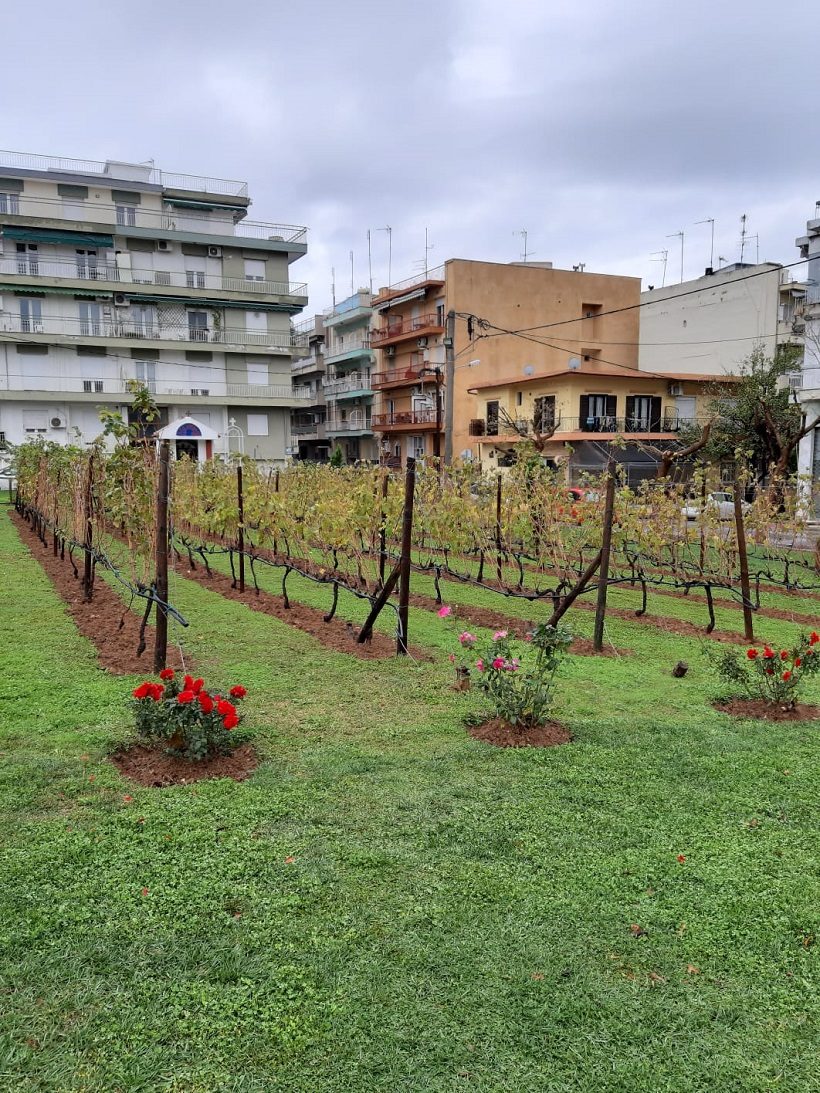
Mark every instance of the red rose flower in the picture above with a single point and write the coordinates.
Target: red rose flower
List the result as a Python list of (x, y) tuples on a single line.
[(768, 653), (238, 691), (770, 671), (224, 707), (143, 690), (681, 858), (814, 637), (205, 701), (231, 721), (784, 654), (188, 683), (787, 676), (797, 662), (157, 691), (751, 653), (166, 673), (197, 685), (184, 697)]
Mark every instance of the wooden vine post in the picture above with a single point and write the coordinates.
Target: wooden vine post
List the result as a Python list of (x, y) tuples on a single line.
[(383, 527), (406, 555), (88, 530), (162, 547), (606, 548), (748, 622), (240, 532), (498, 569)]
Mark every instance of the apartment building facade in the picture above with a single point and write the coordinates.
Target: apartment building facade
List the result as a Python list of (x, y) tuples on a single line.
[(112, 272), (308, 428), (808, 393), (348, 381)]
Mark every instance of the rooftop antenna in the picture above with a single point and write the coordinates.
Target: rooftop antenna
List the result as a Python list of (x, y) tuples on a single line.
[(333, 284), (352, 286), (389, 231), (369, 263), (722, 260), (580, 267), (661, 256), (742, 236), (816, 209), (676, 235), (711, 221), (524, 233), (428, 246)]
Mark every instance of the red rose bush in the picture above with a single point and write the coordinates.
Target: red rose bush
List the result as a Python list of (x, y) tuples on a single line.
[(773, 675), (184, 714)]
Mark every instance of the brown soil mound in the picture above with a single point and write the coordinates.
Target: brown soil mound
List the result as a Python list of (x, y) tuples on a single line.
[(99, 620), (152, 767), (766, 711), (503, 735), (337, 634)]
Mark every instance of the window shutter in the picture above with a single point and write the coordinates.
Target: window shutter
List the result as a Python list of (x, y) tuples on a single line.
[(611, 405), (656, 412), (630, 408), (583, 413)]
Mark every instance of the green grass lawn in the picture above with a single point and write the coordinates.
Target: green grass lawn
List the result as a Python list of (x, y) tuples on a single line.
[(457, 917)]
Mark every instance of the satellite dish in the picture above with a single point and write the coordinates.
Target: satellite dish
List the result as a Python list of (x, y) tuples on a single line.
[(574, 364), (528, 370)]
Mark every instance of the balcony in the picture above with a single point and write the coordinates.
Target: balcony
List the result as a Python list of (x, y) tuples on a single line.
[(28, 161), (354, 383), (355, 309), (667, 426), (400, 328), (117, 389), (405, 420), (314, 430), (398, 377), (119, 218), (30, 269), (151, 330), (348, 350), (350, 425)]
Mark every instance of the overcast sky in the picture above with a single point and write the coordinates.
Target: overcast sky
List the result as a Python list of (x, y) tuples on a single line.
[(598, 126)]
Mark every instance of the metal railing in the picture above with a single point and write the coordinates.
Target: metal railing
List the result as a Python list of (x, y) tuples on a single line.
[(147, 329), (669, 423), (32, 265), (353, 381), (398, 375), (357, 345), (404, 417), (311, 431), (435, 274), (31, 161), (138, 216), (400, 327), (351, 425), (119, 387)]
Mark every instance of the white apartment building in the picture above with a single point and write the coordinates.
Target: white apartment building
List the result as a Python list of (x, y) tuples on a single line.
[(111, 272), (808, 456), (710, 325), (348, 389)]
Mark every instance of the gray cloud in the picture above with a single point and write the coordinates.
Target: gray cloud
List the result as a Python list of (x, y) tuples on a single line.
[(599, 127)]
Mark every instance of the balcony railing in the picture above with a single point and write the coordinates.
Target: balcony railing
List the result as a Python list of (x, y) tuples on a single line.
[(167, 218), (118, 387), (339, 385), (351, 425), (405, 327), (404, 417), (49, 269), (29, 161), (605, 424), (436, 274), (313, 430), (354, 345), (148, 329), (398, 375)]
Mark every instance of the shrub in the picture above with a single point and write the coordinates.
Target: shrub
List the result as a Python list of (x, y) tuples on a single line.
[(520, 687), (192, 722), (773, 675)]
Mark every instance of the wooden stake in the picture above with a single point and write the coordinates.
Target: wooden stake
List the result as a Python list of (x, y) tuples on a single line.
[(406, 551), (240, 534), (88, 571), (748, 622), (606, 547), (161, 579)]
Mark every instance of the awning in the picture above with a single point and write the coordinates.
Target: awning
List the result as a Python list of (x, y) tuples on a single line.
[(178, 203), (416, 294), (46, 235), (198, 302), (51, 290)]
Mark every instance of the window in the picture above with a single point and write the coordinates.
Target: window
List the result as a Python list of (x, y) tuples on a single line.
[(31, 316), (28, 260), (126, 216), (194, 278), (35, 422), (416, 446), (10, 204), (198, 326), (597, 413), (146, 372), (142, 321), (643, 413), (543, 416), (31, 350), (439, 314), (257, 424), (254, 269), (257, 372), (492, 418), (256, 322), (90, 320), (93, 386), (87, 264)]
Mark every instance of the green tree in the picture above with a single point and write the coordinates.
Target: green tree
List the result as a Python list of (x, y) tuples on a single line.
[(337, 459)]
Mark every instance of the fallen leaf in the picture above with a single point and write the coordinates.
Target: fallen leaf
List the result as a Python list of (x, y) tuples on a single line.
[(681, 858), (656, 977), (637, 931), (91, 777), (127, 799), (537, 975), (145, 891), (289, 860)]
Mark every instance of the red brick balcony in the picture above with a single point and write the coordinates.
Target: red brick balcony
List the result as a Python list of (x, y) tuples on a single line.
[(399, 328)]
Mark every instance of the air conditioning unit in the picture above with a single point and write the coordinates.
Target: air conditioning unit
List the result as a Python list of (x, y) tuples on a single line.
[(422, 343), (163, 244), (390, 351), (57, 422), (675, 388), (214, 252), (120, 300)]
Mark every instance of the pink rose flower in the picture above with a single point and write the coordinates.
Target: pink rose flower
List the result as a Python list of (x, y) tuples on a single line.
[(443, 612), (480, 664), (498, 663), (466, 638), (499, 635)]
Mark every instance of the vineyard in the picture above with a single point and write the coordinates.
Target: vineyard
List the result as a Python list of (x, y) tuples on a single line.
[(378, 893)]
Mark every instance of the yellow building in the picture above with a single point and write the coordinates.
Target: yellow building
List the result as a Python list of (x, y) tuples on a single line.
[(532, 345)]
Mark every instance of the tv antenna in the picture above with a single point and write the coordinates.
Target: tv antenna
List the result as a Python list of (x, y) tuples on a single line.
[(661, 256), (580, 267), (679, 235), (524, 233), (711, 221), (389, 231)]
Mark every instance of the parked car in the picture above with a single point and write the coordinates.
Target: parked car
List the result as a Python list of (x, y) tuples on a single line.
[(719, 501)]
